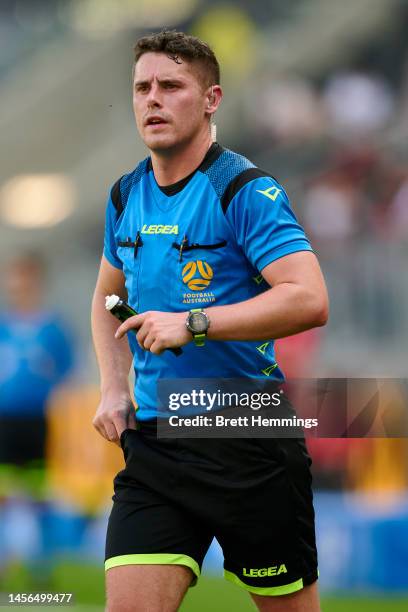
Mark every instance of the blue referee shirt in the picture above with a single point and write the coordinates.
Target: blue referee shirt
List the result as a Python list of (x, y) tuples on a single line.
[(201, 242)]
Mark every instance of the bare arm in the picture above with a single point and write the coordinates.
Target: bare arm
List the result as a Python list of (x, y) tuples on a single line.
[(115, 411), (296, 301)]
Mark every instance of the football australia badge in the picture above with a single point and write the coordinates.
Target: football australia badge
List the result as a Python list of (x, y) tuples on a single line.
[(197, 277)]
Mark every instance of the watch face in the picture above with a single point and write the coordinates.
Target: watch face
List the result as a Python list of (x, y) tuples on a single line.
[(198, 322)]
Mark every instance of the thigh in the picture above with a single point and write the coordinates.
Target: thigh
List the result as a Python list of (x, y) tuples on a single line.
[(306, 600), (146, 588)]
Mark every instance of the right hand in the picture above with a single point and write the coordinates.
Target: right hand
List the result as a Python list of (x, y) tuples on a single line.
[(115, 413)]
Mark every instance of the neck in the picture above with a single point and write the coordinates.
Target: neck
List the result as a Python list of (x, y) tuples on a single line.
[(172, 166)]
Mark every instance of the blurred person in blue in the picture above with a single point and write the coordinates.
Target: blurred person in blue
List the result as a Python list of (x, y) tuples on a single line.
[(206, 247), (36, 355)]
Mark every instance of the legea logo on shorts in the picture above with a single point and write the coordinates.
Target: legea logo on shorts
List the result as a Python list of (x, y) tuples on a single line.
[(275, 570), (197, 275)]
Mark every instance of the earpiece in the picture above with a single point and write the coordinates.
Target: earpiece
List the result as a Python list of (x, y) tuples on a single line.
[(213, 127), (212, 97)]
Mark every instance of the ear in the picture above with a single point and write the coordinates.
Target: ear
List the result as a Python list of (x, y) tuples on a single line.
[(214, 98)]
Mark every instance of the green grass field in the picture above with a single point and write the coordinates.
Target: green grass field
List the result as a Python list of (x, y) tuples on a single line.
[(211, 594)]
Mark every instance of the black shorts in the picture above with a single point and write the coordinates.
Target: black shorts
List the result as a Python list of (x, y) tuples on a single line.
[(253, 495)]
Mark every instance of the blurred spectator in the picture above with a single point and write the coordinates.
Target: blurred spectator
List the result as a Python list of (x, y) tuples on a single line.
[(286, 110), (331, 209), (398, 213), (358, 103), (354, 212), (35, 356), (297, 354), (230, 31)]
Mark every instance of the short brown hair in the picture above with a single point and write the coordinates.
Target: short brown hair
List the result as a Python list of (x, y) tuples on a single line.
[(188, 47)]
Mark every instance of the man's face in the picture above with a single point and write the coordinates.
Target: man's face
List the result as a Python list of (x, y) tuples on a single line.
[(168, 101), (23, 283)]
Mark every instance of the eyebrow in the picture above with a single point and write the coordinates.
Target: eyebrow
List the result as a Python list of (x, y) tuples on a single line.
[(175, 80)]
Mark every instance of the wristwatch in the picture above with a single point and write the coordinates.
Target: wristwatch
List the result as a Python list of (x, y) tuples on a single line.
[(198, 323)]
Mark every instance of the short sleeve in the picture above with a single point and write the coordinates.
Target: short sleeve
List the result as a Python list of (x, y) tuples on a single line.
[(110, 244), (264, 224)]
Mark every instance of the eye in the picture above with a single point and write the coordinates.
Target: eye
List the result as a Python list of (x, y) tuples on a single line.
[(141, 88)]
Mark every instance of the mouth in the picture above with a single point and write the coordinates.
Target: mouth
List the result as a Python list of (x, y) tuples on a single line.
[(155, 121)]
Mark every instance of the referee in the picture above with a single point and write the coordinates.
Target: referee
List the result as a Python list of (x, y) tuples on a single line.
[(205, 246)]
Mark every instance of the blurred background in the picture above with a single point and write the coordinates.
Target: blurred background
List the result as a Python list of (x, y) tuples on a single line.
[(316, 92)]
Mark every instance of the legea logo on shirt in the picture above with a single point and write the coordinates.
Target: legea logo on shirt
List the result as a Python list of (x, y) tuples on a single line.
[(197, 276), (160, 229)]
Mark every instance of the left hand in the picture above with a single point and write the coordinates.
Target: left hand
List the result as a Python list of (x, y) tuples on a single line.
[(157, 330)]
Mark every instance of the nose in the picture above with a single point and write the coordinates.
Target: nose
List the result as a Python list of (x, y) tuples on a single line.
[(153, 98)]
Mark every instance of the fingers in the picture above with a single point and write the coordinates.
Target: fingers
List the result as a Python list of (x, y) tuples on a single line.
[(131, 420), (147, 343), (120, 424), (114, 431), (100, 428), (110, 424), (131, 323), (154, 344), (147, 335), (156, 348), (141, 336), (157, 330), (108, 430)]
